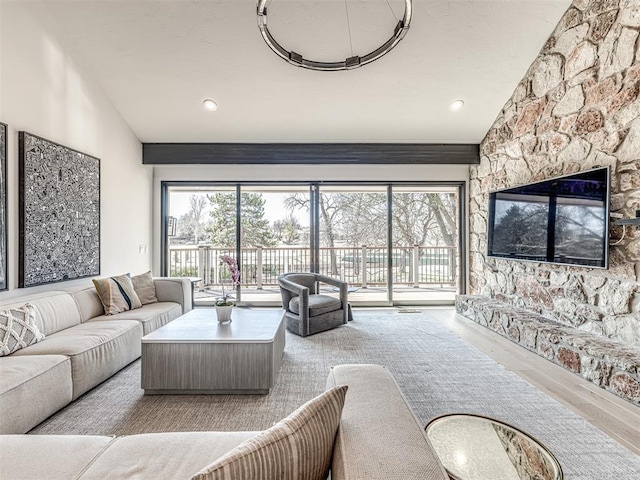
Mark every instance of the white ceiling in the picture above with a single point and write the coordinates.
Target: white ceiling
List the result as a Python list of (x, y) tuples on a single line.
[(157, 60)]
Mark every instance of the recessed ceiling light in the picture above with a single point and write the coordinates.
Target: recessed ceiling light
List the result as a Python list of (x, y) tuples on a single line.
[(210, 105), (456, 105)]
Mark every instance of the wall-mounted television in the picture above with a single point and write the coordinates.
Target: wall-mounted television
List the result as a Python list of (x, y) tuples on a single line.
[(563, 220)]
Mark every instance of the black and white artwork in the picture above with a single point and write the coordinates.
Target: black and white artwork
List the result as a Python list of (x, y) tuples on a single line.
[(59, 212), (4, 279)]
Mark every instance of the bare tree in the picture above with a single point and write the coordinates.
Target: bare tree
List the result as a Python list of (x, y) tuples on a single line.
[(288, 230), (192, 223), (413, 219), (330, 207), (443, 207), (356, 219)]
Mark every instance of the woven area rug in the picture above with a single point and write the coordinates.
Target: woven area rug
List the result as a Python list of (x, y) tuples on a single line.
[(437, 371)]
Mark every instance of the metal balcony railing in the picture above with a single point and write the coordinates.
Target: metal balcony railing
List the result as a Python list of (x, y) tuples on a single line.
[(359, 266)]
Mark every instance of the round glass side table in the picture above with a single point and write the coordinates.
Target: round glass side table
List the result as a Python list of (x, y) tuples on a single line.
[(473, 447)]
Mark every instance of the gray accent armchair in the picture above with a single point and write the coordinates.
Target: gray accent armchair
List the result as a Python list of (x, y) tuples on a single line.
[(308, 312)]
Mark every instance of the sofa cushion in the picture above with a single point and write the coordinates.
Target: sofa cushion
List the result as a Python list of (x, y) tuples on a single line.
[(376, 424), (318, 305), (152, 316), (300, 446), (145, 288), (31, 389), (50, 457), (117, 294), (55, 311), (88, 303), (18, 329), (160, 456), (97, 350)]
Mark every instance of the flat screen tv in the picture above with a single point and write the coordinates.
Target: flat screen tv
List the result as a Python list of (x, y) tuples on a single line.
[(563, 220)]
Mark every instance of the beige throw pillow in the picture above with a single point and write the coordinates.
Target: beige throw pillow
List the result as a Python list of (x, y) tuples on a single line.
[(145, 288), (18, 329), (117, 294), (298, 447)]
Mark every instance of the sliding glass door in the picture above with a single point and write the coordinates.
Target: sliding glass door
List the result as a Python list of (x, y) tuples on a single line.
[(353, 239), (395, 244), (425, 244), (201, 226), (274, 238)]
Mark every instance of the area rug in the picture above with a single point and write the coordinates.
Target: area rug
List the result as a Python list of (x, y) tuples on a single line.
[(437, 371)]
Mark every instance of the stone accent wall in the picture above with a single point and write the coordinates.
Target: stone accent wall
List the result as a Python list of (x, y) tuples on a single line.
[(577, 107)]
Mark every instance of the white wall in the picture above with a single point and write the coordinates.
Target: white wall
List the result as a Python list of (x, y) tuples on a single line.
[(276, 173), (43, 91)]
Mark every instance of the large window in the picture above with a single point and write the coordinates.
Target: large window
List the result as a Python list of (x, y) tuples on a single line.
[(393, 243)]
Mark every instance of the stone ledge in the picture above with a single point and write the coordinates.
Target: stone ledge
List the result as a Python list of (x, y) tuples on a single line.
[(607, 363)]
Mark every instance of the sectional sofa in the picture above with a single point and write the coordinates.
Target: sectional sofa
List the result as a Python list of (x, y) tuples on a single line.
[(82, 348), (366, 431), (378, 437)]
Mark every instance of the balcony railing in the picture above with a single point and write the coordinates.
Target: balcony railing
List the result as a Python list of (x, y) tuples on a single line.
[(359, 266)]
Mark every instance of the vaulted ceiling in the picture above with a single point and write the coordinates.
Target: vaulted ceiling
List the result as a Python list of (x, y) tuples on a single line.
[(157, 61)]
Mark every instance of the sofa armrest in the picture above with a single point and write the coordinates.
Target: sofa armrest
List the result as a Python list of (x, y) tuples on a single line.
[(174, 289), (379, 436)]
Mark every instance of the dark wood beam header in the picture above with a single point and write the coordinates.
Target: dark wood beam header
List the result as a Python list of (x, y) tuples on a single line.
[(308, 153)]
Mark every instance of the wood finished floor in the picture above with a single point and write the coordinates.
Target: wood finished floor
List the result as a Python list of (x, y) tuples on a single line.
[(616, 417)]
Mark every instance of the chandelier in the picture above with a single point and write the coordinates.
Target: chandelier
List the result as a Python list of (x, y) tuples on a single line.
[(294, 58)]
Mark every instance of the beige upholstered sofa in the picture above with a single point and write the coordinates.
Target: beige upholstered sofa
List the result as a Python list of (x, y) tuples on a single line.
[(82, 348), (378, 438)]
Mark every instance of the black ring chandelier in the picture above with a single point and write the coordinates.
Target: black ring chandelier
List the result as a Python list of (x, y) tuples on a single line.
[(297, 59)]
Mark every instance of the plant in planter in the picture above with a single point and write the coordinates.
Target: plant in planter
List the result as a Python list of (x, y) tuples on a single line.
[(224, 304)]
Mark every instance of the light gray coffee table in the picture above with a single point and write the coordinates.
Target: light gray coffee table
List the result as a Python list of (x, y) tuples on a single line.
[(193, 354)]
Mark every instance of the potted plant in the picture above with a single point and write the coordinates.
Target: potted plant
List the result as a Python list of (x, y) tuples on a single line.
[(224, 304)]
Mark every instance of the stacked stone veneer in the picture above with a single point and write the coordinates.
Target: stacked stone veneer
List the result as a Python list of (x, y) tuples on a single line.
[(610, 364), (577, 107)]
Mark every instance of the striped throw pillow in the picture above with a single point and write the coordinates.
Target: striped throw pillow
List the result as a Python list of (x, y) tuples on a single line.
[(298, 447), (117, 294)]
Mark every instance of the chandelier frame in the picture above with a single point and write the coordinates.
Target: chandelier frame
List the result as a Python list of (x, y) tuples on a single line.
[(294, 58)]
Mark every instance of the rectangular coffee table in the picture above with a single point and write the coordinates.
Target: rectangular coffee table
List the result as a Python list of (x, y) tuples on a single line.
[(193, 354)]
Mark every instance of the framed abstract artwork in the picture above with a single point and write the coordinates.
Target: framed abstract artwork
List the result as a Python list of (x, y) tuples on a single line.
[(59, 192), (4, 276)]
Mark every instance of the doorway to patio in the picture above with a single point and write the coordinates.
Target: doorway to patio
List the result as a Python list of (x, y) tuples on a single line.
[(394, 243)]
